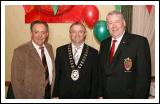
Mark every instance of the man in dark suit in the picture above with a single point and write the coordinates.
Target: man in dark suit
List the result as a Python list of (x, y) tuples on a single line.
[(76, 67), (125, 62), (33, 68)]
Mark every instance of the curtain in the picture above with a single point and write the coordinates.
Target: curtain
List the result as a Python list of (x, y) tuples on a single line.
[(126, 10), (143, 23)]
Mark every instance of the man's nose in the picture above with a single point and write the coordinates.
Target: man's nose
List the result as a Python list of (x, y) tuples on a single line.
[(113, 25), (40, 34)]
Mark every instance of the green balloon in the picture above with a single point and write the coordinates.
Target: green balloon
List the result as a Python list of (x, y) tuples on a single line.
[(100, 30)]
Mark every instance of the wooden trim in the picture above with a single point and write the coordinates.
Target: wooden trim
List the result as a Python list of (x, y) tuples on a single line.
[(7, 83), (153, 79)]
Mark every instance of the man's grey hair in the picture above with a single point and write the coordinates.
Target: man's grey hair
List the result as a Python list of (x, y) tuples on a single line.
[(115, 13)]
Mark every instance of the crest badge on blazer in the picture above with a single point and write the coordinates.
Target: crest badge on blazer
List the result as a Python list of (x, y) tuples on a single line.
[(128, 64)]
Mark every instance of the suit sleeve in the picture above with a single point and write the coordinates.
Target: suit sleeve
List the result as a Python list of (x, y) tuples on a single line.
[(143, 70), (100, 74), (17, 75), (57, 69), (94, 75)]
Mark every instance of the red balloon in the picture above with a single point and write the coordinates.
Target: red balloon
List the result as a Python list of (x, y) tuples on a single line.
[(91, 15)]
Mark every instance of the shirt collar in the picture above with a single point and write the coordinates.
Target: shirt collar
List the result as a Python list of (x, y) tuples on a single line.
[(36, 46), (119, 38), (81, 46)]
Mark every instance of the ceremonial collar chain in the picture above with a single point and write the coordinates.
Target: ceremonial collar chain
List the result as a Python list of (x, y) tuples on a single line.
[(82, 61)]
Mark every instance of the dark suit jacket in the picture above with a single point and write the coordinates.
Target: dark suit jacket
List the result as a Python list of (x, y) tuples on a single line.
[(118, 82), (85, 86), (27, 72)]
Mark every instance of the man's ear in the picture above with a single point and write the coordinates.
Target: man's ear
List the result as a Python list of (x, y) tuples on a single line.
[(124, 23), (69, 35), (47, 34), (31, 33)]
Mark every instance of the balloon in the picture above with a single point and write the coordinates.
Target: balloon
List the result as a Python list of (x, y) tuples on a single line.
[(91, 15), (100, 30)]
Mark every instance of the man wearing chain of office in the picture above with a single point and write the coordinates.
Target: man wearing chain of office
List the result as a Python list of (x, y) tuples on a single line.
[(76, 67)]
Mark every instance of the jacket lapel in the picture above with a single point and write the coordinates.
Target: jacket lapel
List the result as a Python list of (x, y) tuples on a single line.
[(106, 57), (121, 46), (108, 52), (35, 54), (50, 52)]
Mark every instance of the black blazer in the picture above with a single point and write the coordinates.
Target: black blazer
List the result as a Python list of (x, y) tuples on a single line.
[(86, 85), (116, 80)]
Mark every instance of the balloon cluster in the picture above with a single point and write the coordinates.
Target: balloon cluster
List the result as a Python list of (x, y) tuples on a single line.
[(91, 16)]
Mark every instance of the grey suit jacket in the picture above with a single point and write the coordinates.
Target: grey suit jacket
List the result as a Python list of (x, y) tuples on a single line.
[(27, 72)]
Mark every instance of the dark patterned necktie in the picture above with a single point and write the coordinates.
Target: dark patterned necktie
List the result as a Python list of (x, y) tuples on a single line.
[(44, 62), (47, 85), (112, 50)]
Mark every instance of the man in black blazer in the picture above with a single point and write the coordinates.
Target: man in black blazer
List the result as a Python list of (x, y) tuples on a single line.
[(125, 62), (76, 67)]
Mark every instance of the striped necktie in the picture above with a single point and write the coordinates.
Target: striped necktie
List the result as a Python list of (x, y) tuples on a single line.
[(76, 56), (44, 62), (47, 85)]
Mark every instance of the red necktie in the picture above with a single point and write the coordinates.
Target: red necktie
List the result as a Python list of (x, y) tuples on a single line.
[(112, 50), (44, 62)]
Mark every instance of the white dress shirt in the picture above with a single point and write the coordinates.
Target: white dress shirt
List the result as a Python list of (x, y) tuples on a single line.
[(79, 51), (48, 59)]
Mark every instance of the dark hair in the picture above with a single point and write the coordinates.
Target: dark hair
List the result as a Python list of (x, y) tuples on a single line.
[(39, 22), (77, 23)]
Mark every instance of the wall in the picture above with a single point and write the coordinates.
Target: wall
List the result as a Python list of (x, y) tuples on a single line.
[(17, 32)]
